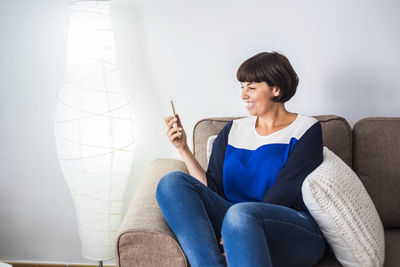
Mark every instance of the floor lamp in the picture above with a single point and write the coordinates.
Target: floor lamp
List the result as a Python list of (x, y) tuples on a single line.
[(94, 128)]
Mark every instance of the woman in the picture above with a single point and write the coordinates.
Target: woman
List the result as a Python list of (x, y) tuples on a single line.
[(247, 208)]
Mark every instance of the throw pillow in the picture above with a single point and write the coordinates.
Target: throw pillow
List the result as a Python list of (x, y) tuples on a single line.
[(345, 213), (210, 143)]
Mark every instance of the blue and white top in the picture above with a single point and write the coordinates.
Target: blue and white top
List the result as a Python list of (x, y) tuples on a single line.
[(245, 166)]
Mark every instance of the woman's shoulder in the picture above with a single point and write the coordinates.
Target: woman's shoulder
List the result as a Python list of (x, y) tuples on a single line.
[(300, 126), (308, 125), (307, 120)]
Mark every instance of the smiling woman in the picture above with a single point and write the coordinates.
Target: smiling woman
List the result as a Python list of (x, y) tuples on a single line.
[(272, 69), (247, 208), (268, 80)]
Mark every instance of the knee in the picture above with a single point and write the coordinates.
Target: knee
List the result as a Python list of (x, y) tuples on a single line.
[(237, 217), (169, 183)]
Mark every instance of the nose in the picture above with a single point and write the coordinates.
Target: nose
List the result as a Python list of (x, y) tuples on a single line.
[(244, 95)]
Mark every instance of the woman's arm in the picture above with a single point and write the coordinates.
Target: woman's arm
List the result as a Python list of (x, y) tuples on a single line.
[(304, 158), (177, 137), (192, 164)]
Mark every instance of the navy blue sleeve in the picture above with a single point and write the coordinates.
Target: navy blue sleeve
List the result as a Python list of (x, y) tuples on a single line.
[(307, 155), (215, 165)]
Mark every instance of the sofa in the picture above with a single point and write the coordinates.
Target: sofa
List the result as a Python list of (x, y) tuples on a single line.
[(371, 149)]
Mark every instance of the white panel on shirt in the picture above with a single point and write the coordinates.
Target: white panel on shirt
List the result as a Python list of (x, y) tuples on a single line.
[(243, 133)]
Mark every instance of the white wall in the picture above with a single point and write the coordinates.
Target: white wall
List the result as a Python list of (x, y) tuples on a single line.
[(345, 53)]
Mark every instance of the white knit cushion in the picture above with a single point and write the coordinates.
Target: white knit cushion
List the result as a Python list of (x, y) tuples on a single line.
[(210, 143), (346, 215)]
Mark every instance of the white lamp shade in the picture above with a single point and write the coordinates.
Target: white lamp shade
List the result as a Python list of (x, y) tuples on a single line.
[(94, 128)]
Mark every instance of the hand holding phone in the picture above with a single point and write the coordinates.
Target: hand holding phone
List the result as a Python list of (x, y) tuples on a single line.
[(175, 132)]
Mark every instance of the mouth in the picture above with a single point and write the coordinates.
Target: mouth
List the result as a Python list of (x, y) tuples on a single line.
[(250, 105)]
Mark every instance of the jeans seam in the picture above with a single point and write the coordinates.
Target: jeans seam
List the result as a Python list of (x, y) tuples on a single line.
[(205, 213), (296, 226)]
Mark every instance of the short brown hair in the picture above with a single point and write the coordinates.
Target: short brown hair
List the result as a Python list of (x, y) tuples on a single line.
[(272, 68)]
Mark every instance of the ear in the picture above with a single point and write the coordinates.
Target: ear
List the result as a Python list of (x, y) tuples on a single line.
[(276, 91)]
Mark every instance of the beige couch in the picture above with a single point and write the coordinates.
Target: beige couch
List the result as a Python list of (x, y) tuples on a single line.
[(371, 148)]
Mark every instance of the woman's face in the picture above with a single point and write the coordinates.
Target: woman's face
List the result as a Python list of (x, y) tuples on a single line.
[(257, 96)]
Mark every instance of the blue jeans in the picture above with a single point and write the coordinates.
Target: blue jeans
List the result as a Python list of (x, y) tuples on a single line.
[(254, 233)]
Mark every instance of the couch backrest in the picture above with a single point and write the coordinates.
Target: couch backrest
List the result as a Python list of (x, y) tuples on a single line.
[(336, 134), (372, 149), (376, 160)]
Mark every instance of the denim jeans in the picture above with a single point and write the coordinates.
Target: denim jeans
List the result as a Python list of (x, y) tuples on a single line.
[(254, 233)]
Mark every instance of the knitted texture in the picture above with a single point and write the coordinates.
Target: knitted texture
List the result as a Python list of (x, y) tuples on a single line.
[(341, 206)]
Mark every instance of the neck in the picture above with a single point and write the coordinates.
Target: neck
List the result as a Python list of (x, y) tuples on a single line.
[(276, 117)]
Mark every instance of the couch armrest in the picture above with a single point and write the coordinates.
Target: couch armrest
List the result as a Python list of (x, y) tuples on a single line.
[(144, 238)]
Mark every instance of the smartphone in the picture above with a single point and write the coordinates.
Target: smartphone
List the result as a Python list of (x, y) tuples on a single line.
[(173, 109), (173, 112)]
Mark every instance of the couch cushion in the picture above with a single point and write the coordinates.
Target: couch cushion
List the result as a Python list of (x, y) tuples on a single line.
[(336, 134), (377, 162), (392, 247), (329, 259)]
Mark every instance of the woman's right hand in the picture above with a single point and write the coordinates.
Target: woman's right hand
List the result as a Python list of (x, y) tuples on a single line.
[(176, 135), (221, 243)]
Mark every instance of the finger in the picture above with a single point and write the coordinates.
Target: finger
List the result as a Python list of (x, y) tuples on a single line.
[(173, 120), (174, 136), (172, 131), (167, 123), (169, 129), (167, 119), (170, 123)]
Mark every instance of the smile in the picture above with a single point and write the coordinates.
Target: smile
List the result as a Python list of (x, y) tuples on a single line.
[(250, 105)]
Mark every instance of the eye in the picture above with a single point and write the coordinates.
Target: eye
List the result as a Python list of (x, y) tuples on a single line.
[(251, 88)]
